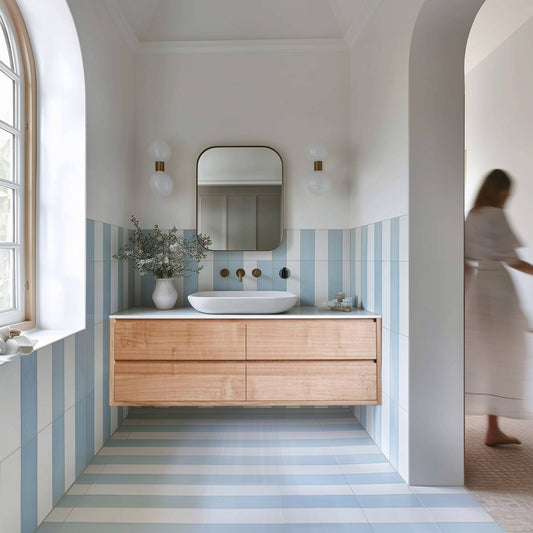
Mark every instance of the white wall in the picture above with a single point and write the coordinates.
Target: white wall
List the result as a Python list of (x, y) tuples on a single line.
[(436, 235), (499, 136), (109, 77), (285, 100), (379, 93)]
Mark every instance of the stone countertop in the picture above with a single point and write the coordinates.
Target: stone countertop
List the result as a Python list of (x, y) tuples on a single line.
[(190, 313)]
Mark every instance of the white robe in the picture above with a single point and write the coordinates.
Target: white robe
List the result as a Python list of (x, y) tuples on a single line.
[(496, 358)]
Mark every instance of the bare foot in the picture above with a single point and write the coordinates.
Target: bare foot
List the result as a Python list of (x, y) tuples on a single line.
[(498, 438)]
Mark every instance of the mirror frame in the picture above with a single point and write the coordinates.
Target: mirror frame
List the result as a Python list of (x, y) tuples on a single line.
[(282, 195)]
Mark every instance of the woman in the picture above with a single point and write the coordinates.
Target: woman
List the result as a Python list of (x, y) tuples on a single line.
[(495, 326)]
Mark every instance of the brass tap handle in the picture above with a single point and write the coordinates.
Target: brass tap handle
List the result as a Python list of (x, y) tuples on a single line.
[(224, 272), (256, 273), (240, 274)]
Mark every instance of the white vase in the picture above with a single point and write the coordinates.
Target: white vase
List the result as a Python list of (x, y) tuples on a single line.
[(165, 294)]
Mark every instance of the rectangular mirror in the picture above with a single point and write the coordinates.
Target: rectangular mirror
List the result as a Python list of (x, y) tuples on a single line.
[(239, 197)]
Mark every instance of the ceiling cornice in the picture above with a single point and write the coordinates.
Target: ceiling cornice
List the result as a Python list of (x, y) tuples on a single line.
[(122, 24), (222, 46), (358, 24), (243, 46)]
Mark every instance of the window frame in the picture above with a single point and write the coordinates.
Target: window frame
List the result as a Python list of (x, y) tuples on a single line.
[(26, 159)]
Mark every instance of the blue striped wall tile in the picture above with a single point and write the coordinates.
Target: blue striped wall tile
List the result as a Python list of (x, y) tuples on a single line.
[(89, 360), (395, 278), (89, 287), (264, 283), (364, 259), (106, 407), (307, 245), (394, 444), (107, 270), (190, 284), (120, 281), (307, 283), (131, 277), (28, 397), (335, 245), (89, 240), (28, 486), (220, 261), (334, 278), (377, 267), (89, 427), (395, 239), (58, 379), (106, 243), (335, 256), (89, 392), (80, 436), (280, 253), (80, 384), (394, 341), (58, 458), (352, 264), (394, 366), (279, 260)]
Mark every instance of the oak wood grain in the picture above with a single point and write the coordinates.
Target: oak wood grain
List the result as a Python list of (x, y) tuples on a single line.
[(171, 382), (311, 339), (159, 340), (320, 381)]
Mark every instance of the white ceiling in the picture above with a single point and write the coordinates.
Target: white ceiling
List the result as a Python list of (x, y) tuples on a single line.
[(149, 23), (236, 20), (496, 21)]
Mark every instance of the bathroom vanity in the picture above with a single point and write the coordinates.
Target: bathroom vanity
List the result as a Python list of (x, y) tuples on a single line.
[(304, 356)]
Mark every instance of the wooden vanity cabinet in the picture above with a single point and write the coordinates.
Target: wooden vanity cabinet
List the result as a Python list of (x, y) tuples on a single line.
[(285, 361)]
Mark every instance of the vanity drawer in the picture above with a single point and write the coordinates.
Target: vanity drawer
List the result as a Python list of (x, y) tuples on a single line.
[(311, 339), (312, 381), (159, 340), (169, 383)]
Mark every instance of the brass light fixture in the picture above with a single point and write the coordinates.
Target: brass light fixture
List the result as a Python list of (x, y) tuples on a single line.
[(318, 182), (160, 182)]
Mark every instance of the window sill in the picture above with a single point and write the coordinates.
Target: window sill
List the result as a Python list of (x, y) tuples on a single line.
[(44, 337)]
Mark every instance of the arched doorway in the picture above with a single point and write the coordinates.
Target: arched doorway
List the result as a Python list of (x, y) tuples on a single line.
[(498, 119)]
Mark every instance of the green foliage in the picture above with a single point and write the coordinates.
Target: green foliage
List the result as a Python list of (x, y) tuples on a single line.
[(166, 254)]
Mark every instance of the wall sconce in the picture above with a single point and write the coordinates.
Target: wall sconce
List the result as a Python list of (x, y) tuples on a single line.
[(160, 182), (318, 182)]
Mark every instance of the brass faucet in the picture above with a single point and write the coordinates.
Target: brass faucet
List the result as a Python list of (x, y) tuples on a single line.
[(240, 274)]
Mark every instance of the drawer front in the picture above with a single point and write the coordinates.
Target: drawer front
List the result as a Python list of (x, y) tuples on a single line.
[(159, 340), (166, 383), (321, 381), (311, 339)]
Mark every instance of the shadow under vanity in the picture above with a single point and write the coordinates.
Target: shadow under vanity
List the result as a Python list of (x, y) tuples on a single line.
[(301, 356)]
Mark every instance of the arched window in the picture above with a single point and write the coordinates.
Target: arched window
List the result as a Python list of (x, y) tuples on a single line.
[(17, 170)]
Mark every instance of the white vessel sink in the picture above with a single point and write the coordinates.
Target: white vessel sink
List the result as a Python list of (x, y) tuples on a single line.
[(242, 302)]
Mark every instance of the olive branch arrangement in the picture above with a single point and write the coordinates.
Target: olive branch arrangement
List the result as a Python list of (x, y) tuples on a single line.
[(165, 254)]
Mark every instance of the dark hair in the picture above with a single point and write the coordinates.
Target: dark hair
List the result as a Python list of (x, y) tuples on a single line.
[(497, 180)]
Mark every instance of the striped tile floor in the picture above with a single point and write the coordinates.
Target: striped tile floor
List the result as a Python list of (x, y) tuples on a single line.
[(258, 470)]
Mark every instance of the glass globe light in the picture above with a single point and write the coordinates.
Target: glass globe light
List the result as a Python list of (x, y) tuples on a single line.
[(318, 183), (161, 183), (159, 151)]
